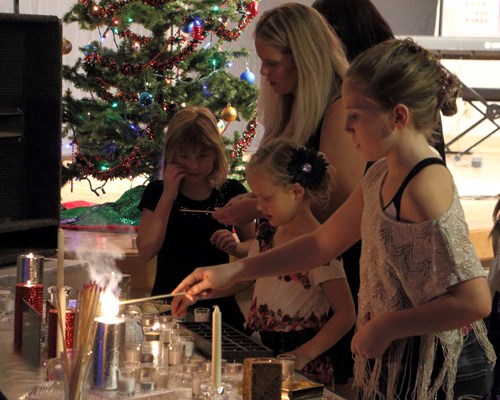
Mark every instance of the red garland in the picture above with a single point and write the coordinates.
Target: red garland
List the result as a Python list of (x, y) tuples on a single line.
[(246, 139)]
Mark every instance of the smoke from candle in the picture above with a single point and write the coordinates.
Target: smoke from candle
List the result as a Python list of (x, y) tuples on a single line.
[(101, 256)]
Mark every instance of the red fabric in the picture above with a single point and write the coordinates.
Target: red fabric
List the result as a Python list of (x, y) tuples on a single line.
[(103, 228), (75, 204)]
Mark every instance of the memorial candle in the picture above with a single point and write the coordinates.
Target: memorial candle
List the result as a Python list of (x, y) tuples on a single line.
[(32, 293), (216, 347)]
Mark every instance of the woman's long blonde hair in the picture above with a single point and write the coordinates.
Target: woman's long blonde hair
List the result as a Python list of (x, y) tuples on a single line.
[(302, 32)]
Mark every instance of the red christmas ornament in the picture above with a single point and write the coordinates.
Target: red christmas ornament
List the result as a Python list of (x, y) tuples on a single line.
[(197, 32), (253, 8)]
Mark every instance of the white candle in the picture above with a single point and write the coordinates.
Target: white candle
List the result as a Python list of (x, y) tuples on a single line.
[(60, 259), (216, 347), (61, 293)]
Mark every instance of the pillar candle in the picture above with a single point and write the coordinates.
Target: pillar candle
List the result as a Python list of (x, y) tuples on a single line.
[(216, 347), (33, 294)]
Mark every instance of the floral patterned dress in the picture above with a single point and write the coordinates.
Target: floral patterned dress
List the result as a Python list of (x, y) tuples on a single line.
[(293, 308)]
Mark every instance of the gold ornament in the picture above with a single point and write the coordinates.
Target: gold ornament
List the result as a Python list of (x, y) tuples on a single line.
[(229, 113), (66, 46)]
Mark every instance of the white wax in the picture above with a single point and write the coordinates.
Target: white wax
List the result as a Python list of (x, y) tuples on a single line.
[(126, 386), (188, 347), (216, 347), (60, 259), (175, 355), (161, 378)]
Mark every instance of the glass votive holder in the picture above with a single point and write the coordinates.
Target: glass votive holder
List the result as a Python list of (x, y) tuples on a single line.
[(234, 368), (175, 354), (133, 352), (136, 366), (188, 343), (287, 367), (198, 378), (190, 367), (167, 331), (196, 359), (146, 372), (7, 301), (147, 320), (126, 382), (201, 314), (160, 377)]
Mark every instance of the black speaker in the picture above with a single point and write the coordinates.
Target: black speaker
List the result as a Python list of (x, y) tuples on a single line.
[(30, 134)]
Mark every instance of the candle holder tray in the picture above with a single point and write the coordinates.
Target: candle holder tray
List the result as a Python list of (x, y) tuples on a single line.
[(235, 345)]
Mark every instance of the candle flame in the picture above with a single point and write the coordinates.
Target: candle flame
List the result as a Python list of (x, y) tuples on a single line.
[(110, 305)]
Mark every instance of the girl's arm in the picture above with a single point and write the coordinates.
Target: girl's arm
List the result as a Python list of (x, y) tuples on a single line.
[(346, 162), (463, 304), (153, 226), (336, 235), (340, 299)]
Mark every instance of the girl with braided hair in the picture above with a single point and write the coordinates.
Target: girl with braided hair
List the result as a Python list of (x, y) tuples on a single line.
[(423, 293)]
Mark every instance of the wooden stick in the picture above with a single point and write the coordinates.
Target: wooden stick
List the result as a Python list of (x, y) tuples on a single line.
[(196, 211), (160, 296)]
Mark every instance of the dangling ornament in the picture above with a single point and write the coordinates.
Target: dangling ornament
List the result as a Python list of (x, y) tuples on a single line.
[(221, 126), (146, 99), (66, 46), (248, 76), (253, 8), (198, 29), (205, 91), (187, 28), (89, 49), (229, 113)]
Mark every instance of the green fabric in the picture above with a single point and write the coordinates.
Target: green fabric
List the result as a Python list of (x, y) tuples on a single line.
[(123, 211)]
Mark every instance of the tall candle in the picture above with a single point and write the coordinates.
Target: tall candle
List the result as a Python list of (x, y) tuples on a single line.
[(60, 259), (216, 348), (61, 292)]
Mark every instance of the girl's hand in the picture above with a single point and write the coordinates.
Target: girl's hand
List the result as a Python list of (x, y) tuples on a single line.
[(172, 177), (301, 359), (372, 339), (240, 210), (181, 303), (225, 241)]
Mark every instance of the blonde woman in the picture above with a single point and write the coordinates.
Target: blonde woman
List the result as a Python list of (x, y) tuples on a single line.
[(303, 64)]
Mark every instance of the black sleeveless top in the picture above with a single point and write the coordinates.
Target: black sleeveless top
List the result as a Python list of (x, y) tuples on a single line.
[(396, 200)]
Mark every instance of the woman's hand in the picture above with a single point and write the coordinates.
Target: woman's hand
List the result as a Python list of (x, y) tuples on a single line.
[(202, 281), (240, 210), (226, 241), (180, 304)]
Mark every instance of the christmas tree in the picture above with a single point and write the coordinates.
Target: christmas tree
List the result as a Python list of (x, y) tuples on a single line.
[(151, 58)]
